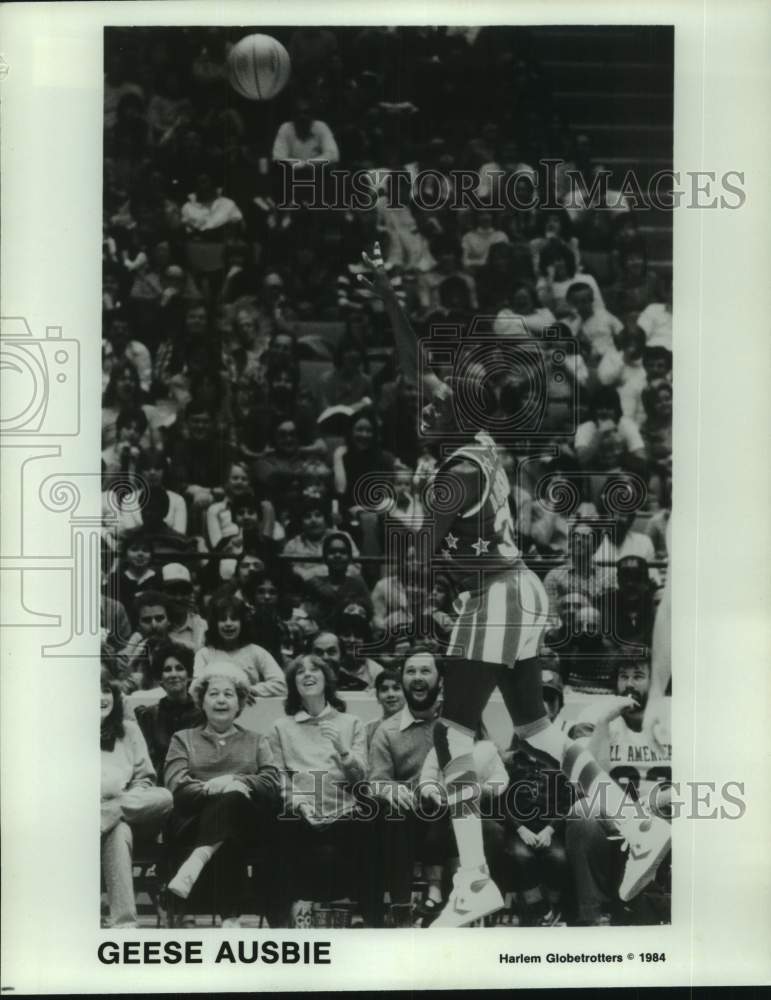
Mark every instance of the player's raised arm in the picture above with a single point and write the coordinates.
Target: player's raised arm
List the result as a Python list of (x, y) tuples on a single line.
[(377, 281)]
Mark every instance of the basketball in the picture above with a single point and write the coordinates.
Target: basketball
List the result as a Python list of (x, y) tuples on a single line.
[(258, 67)]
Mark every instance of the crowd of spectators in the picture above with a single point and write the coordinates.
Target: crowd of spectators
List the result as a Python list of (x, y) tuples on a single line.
[(233, 528)]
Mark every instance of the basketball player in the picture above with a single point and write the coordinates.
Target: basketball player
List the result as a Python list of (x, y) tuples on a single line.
[(642, 767), (502, 612)]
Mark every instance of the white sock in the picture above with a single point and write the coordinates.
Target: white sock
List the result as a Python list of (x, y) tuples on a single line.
[(182, 883), (459, 774)]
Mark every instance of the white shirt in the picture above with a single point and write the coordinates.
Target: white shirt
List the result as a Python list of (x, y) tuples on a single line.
[(599, 329), (627, 429), (319, 145), (199, 217), (656, 322), (509, 323), (634, 544), (630, 380), (303, 716), (559, 289), (407, 719)]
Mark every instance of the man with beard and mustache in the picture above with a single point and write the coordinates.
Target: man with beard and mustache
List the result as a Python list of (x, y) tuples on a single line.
[(397, 753), (641, 766)]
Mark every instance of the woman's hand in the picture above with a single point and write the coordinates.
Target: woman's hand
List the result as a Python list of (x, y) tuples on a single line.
[(305, 811), (403, 798), (236, 785), (544, 837), (216, 786), (432, 793), (527, 836), (330, 732)]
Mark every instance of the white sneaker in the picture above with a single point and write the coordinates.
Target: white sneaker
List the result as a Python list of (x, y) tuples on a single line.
[(231, 922), (182, 883), (648, 841), (474, 895)]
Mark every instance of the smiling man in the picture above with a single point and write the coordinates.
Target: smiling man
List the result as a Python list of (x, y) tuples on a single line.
[(397, 753), (636, 763)]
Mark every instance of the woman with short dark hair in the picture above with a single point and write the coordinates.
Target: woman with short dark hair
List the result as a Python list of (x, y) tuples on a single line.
[(605, 415), (124, 392), (171, 668)]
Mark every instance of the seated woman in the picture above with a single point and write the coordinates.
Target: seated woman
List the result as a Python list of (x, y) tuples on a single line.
[(285, 463), (225, 789), (171, 668), (361, 455), (123, 392), (129, 800), (122, 456), (360, 458), (347, 382), (605, 414), (248, 433), (524, 315), (228, 637), (237, 487), (321, 752), (122, 506), (288, 399)]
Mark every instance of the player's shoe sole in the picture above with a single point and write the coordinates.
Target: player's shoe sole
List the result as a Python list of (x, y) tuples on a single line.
[(647, 849), (470, 900)]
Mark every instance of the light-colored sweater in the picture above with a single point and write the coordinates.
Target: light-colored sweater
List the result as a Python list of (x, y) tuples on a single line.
[(128, 765), (265, 675), (196, 755), (311, 770)]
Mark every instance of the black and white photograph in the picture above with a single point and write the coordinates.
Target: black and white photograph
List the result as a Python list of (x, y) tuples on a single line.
[(339, 442), (387, 469)]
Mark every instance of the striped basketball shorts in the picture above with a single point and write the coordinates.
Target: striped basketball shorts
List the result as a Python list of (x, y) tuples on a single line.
[(504, 622)]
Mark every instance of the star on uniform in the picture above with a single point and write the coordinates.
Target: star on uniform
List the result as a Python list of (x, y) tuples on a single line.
[(451, 540), (480, 546)]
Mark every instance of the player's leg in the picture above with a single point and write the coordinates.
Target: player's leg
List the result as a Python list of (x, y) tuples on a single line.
[(470, 676), (467, 688)]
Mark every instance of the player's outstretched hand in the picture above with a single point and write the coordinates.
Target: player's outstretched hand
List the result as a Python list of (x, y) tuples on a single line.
[(376, 278)]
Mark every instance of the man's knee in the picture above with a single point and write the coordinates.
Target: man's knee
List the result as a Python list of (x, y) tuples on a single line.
[(517, 850), (584, 833)]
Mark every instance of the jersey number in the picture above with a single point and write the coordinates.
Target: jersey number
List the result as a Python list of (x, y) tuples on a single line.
[(629, 777)]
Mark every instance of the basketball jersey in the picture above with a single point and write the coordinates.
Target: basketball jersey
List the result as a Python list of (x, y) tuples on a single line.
[(632, 761), (480, 541)]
